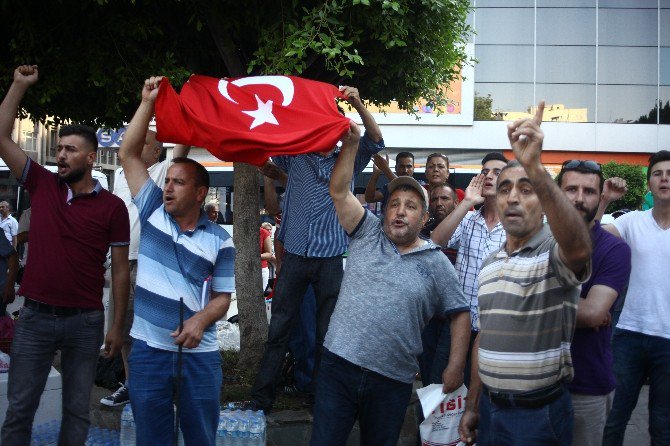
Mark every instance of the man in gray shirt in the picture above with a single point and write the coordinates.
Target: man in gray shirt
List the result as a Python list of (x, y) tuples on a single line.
[(393, 284)]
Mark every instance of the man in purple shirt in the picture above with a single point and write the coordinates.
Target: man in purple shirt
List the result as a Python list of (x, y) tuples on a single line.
[(592, 388)]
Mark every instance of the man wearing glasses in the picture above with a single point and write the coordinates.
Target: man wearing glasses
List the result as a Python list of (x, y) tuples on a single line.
[(592, 388), (641, 343)]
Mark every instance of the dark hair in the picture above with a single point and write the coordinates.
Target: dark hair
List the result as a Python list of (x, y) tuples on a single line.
[(661, 155), (201, 175), (84, 131), (404, 155), (494, 156), (453, 193), (438, 155), (510, 165), (581, 169)]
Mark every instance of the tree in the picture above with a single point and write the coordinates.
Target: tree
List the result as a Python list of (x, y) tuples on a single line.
[(484, 108), (650, 118), (636, 181), (93, 56)]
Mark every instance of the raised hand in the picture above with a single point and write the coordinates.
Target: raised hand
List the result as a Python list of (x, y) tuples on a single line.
[(26, 75), (473, 193), (150, 89), (352, 95), (380, 164), (351, 137), (613, 189), (525, 137)]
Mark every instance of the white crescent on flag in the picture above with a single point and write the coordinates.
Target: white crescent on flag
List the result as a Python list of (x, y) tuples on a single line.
[(263, 114)]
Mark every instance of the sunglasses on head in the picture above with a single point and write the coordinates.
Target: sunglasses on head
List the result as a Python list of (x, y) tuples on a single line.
[(577, 164)]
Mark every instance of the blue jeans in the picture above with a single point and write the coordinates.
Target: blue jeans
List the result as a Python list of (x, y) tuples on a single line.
[(36, 339), (345, 392), (636, 357), (551, 424), (297, 272), (153, 375)]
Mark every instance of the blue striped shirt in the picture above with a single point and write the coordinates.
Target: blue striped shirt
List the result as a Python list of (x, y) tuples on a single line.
[(173, 264), (309, 225)]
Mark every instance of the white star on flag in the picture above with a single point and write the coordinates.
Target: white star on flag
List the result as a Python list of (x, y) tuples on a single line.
[(262, 115)]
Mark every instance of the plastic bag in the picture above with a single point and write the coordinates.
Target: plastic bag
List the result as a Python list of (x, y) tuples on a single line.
[(228, 336), (442, 414), (4, 362)]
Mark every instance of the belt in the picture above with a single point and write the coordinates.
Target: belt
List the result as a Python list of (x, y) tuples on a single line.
[(54, 310), (533, 399)]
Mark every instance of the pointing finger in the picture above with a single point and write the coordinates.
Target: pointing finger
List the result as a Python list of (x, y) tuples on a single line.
[(538, 114)]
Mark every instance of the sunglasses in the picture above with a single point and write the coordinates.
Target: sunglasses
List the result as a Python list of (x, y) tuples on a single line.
[(577, 164)]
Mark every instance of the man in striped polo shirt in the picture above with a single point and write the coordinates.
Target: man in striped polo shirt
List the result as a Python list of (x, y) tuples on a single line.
[(182, 255), (528, 294)]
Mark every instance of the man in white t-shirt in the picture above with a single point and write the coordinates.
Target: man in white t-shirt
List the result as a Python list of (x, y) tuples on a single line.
[(641, 342), (151, 154)]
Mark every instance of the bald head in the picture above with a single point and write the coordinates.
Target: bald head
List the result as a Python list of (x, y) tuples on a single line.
[(151, 152)]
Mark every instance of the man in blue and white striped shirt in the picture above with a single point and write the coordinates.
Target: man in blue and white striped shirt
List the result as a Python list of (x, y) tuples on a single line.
[(182, 255), (314, 243)]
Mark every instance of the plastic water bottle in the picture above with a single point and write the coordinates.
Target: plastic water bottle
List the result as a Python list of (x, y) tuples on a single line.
[(221, 432), (127, 426), (243, 428)]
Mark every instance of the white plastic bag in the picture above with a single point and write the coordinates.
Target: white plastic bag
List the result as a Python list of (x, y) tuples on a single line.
[(442, 414), (4, 362), (228, 336)]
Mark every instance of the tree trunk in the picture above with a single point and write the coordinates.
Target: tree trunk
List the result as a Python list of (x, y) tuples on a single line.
[(248, 282)]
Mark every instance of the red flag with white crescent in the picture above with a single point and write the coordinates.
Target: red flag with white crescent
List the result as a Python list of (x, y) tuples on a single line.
[(249, 119)]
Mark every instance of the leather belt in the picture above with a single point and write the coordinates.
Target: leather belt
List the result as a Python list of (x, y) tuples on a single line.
[(55, 310), (532, 399)]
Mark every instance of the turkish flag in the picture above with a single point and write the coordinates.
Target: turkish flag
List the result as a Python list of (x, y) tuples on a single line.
[(249, 119)]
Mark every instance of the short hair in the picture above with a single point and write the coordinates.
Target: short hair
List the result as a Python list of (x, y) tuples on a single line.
[(211, 205), (453, 193), (84, 131), (510, 165), (404, 155), (661, 155), (438, 155), (581, 169), (201, 175), (6, 203), (494, 156)]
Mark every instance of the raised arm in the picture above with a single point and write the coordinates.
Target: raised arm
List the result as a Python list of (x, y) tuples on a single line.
[(349, 210), (180, 151), (613, 189), (133, 141), (567, 226), (372, 195), (10, 152), (371, 128), (473, 196)]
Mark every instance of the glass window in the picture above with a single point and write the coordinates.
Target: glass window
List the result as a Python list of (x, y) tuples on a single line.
[(504, 26), (504, 63), (566, 64), (627, 3), (503, 3), (566, 3), (566, 26), (665, 66), (628, 27), (665, 30), (507, 97), (665, 105), (627, 65), (625, 103), (568, 102)]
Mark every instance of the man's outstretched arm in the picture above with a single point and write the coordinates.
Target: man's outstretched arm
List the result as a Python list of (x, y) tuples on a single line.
[(11, 153), (371, 127)]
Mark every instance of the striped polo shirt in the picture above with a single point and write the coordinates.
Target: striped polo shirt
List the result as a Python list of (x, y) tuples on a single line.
[(173, 264), (310, 226), (527, 313)]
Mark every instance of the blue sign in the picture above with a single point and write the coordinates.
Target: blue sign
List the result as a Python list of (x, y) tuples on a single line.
[(110, 137)]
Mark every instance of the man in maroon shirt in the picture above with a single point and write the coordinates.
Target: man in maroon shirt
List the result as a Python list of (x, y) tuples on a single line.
[(74, 222)]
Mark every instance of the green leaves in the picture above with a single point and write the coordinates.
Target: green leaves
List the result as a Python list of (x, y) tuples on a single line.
[(636, 181)]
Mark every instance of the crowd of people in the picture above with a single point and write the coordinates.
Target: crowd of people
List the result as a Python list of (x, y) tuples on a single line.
[(507, 286)]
